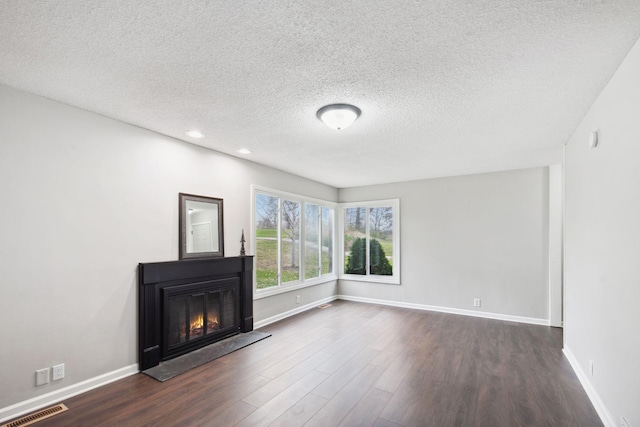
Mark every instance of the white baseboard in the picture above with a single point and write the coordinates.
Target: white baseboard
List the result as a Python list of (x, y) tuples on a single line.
[(57, 396), (605, 416), (496, 316), (295, 311)]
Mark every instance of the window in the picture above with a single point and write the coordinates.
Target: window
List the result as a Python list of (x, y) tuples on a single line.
[(370, 235), (311, 241), (267, 242), (326, 256), (294, 239), (290, 241)]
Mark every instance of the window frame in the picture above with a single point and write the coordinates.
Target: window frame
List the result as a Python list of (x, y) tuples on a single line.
[(393, 279), (301, 282)]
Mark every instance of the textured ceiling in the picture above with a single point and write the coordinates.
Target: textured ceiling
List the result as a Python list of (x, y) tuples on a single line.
[(446, 87)]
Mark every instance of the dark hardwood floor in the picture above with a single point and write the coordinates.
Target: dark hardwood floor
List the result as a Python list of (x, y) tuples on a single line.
[(356, 364)]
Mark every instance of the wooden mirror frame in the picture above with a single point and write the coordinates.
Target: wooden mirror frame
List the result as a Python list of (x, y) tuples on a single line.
[(184, 251)]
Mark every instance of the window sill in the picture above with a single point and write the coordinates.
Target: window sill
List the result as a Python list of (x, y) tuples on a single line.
[(264, 293), (389, 280)]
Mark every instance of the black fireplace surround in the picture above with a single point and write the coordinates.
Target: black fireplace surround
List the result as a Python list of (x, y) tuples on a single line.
[(188, 304)]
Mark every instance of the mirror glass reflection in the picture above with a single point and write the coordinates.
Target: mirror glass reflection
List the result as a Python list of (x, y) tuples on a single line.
[(202, 230)]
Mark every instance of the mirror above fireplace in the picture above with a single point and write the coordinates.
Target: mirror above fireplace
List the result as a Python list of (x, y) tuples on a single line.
[(201, 227)]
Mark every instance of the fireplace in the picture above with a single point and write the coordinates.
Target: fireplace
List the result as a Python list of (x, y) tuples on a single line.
[(185, 305)]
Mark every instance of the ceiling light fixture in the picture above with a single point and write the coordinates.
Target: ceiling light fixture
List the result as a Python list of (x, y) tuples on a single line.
[(244, 151), (195, 134), (338, 116)]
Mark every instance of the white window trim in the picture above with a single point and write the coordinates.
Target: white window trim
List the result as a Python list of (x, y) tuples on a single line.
[(297, 284), (393, 279)]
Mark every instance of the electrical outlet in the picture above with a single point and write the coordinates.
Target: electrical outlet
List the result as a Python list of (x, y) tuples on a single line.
[(42, 376), (623, 422), (476, 302), (297, 299), (58, 372)]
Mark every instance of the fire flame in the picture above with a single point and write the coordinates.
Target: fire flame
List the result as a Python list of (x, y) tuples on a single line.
[(213, 322), (197, 324)]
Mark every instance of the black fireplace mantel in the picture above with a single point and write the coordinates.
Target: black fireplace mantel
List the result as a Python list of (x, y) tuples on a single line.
[(154, 277)]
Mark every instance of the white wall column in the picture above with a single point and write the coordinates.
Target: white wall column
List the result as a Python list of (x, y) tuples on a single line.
[(555, 245)]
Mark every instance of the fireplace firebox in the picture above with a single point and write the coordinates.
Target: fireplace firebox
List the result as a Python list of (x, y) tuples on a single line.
[(187, 304)]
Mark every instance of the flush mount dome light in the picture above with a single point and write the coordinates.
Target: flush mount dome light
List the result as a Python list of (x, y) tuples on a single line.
[(338, 116)]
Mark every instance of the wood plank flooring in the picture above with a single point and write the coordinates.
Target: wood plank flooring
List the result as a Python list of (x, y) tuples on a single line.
[(356, 364)]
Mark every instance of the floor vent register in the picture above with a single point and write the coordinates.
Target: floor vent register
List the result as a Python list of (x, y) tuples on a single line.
[(33, 418)]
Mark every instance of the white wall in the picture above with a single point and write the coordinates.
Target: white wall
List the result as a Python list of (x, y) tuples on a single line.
[(85, 199), (478, 236), (602, 247)]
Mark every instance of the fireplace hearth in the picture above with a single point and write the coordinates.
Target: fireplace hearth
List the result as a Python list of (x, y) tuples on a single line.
[(188, 304)]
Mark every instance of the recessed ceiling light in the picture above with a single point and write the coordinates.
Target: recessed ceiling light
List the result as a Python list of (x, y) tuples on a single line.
[(195, 134), (338, 116), (244, 151)]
